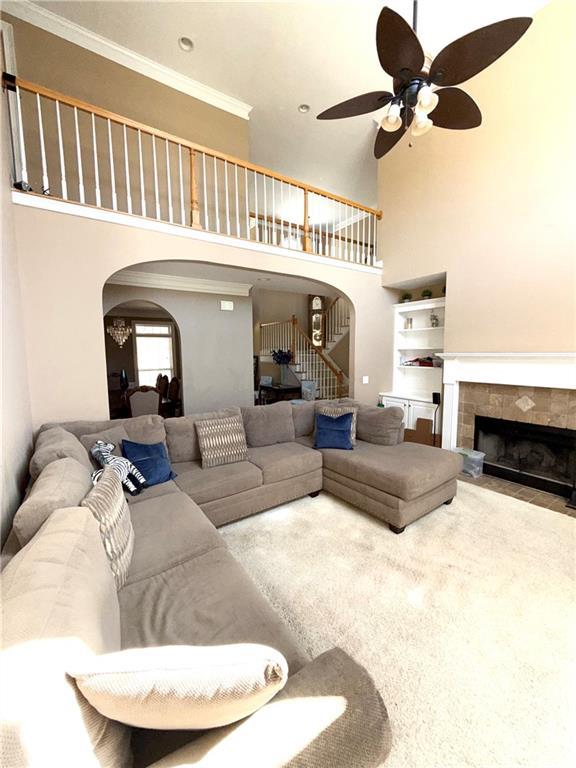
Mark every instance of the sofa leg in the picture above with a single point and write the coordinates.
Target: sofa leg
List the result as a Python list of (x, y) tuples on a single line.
[(395, 529), (449, 501), (314, 494)]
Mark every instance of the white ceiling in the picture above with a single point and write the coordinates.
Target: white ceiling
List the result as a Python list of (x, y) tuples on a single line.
[(277, 55)]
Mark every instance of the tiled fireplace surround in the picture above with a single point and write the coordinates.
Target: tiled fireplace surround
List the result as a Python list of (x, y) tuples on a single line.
[(534, 405)]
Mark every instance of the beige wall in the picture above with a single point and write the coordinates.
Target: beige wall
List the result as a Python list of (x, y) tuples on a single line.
[(15, 400), (55, 63), (494, 207), (276, 306), (65, 261), (216, 346)]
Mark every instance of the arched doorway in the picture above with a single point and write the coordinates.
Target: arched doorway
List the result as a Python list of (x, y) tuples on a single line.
[(142, 341)]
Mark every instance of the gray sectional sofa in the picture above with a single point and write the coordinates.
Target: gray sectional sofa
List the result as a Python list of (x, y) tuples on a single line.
[(185, 587)]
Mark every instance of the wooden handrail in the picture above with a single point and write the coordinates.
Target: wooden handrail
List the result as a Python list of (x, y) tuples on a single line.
[(27, 85), (336, 371)]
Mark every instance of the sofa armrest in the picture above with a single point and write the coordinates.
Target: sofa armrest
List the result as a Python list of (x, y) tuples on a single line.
[(329, 715)]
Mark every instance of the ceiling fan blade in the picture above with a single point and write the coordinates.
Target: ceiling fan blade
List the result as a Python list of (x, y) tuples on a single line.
[(455, 110), (386, 140), (359, 105), (399, 49), (472, 53)]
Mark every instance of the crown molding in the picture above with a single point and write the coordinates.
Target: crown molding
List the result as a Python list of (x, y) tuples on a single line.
[(178, 283), (74, 33)]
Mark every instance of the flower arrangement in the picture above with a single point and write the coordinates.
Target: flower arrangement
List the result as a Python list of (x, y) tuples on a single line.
[(281, 356)]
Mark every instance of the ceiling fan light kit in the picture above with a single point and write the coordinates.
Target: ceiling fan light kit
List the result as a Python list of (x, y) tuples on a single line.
[(414, 101)]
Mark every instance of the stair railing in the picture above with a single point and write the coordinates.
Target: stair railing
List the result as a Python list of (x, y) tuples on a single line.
[(337, 317)]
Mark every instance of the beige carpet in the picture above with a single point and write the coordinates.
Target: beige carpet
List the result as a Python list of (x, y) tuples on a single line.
[(465, 621)]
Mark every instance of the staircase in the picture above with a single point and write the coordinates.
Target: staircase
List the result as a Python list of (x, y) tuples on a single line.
[(309, 362)]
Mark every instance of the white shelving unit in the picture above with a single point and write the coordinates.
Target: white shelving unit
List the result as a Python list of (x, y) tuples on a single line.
[(413, 385)]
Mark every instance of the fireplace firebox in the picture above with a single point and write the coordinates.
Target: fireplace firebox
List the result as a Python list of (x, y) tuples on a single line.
[(532, 454)]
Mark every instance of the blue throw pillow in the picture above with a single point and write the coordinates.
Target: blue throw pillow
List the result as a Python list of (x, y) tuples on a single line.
[(334, 431), (151, 460)]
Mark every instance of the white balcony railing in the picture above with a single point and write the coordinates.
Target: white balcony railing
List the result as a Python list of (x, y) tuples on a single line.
[(75, 151)]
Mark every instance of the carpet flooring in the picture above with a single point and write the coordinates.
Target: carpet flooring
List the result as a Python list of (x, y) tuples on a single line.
[(465, 621)]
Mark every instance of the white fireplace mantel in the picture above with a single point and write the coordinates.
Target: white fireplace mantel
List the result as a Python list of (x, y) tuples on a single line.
[(526, 369)]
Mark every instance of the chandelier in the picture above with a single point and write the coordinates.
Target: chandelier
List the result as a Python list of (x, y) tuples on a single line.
[(119, 331)]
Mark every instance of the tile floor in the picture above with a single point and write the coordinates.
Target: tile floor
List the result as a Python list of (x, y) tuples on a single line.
[(533, 495)]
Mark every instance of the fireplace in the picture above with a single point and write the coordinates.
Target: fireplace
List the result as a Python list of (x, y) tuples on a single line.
[(536, 455)]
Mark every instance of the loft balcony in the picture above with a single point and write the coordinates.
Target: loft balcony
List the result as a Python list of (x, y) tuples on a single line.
[(68, 150)]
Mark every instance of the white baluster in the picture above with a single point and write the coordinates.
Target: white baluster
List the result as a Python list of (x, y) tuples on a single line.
[(247, 204), (205, 191), (181, 183), (216, 198), (237, 205), (141, 174), (23, 168), (169, 183), (274, 238), (226, 197), (95, 158), (155, 167), (127, 171), (63, 182), (265, 183), (112, 174), (79, 158), (256, 206), (45, 181)]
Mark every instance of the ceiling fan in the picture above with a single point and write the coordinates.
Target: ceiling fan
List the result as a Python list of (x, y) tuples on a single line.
[(414, 102)]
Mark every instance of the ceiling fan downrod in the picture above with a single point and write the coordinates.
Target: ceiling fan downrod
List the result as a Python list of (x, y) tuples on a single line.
[(415, 15)]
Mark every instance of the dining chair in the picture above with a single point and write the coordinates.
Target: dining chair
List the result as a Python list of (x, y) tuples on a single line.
[(144, 400)]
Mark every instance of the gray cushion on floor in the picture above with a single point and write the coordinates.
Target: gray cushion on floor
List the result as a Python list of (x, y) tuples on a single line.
[(168, 532), (205, 485), (208, 600), (285, 460), (268, 424), (407, 470)]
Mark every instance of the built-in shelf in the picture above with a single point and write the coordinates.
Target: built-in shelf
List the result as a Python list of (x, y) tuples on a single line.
[(420, 367), (420, 349), (427, 328)]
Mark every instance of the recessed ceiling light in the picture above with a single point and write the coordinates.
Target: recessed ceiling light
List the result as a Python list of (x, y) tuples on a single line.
[(185, 44), (304, 108)]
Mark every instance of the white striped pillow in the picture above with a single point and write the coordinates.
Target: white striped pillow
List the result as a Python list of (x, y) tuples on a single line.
[(108, 505), (222, 441)]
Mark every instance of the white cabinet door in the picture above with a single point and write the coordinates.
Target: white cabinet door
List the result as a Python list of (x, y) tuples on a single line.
[(421, 411), (396, 402)]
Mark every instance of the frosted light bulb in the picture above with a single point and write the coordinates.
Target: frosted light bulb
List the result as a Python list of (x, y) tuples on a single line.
[(392, 120), (421, 124), (427, 99)]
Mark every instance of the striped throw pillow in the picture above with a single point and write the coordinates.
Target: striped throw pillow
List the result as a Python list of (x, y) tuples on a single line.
[(107, 503), (340, 410), (221, 441)]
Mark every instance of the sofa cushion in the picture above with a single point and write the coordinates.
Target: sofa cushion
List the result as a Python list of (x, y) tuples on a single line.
[(182, 686), (151, 459), (204, 485), (303, 416), (268, 424), (334, 431), (337, 409), (382, 426), (114, 435), (221, 441), (284, 460), (150, 493), (59, 605), (181, 437), (62, 483), (207, 600), (407, 470), (56, 443), (168, 532), (148, 428), (108, 505)]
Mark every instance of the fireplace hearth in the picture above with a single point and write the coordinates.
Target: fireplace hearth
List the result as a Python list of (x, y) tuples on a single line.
[(535, 455)]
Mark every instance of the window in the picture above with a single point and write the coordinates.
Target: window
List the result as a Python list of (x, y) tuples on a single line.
[(154, 351)]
